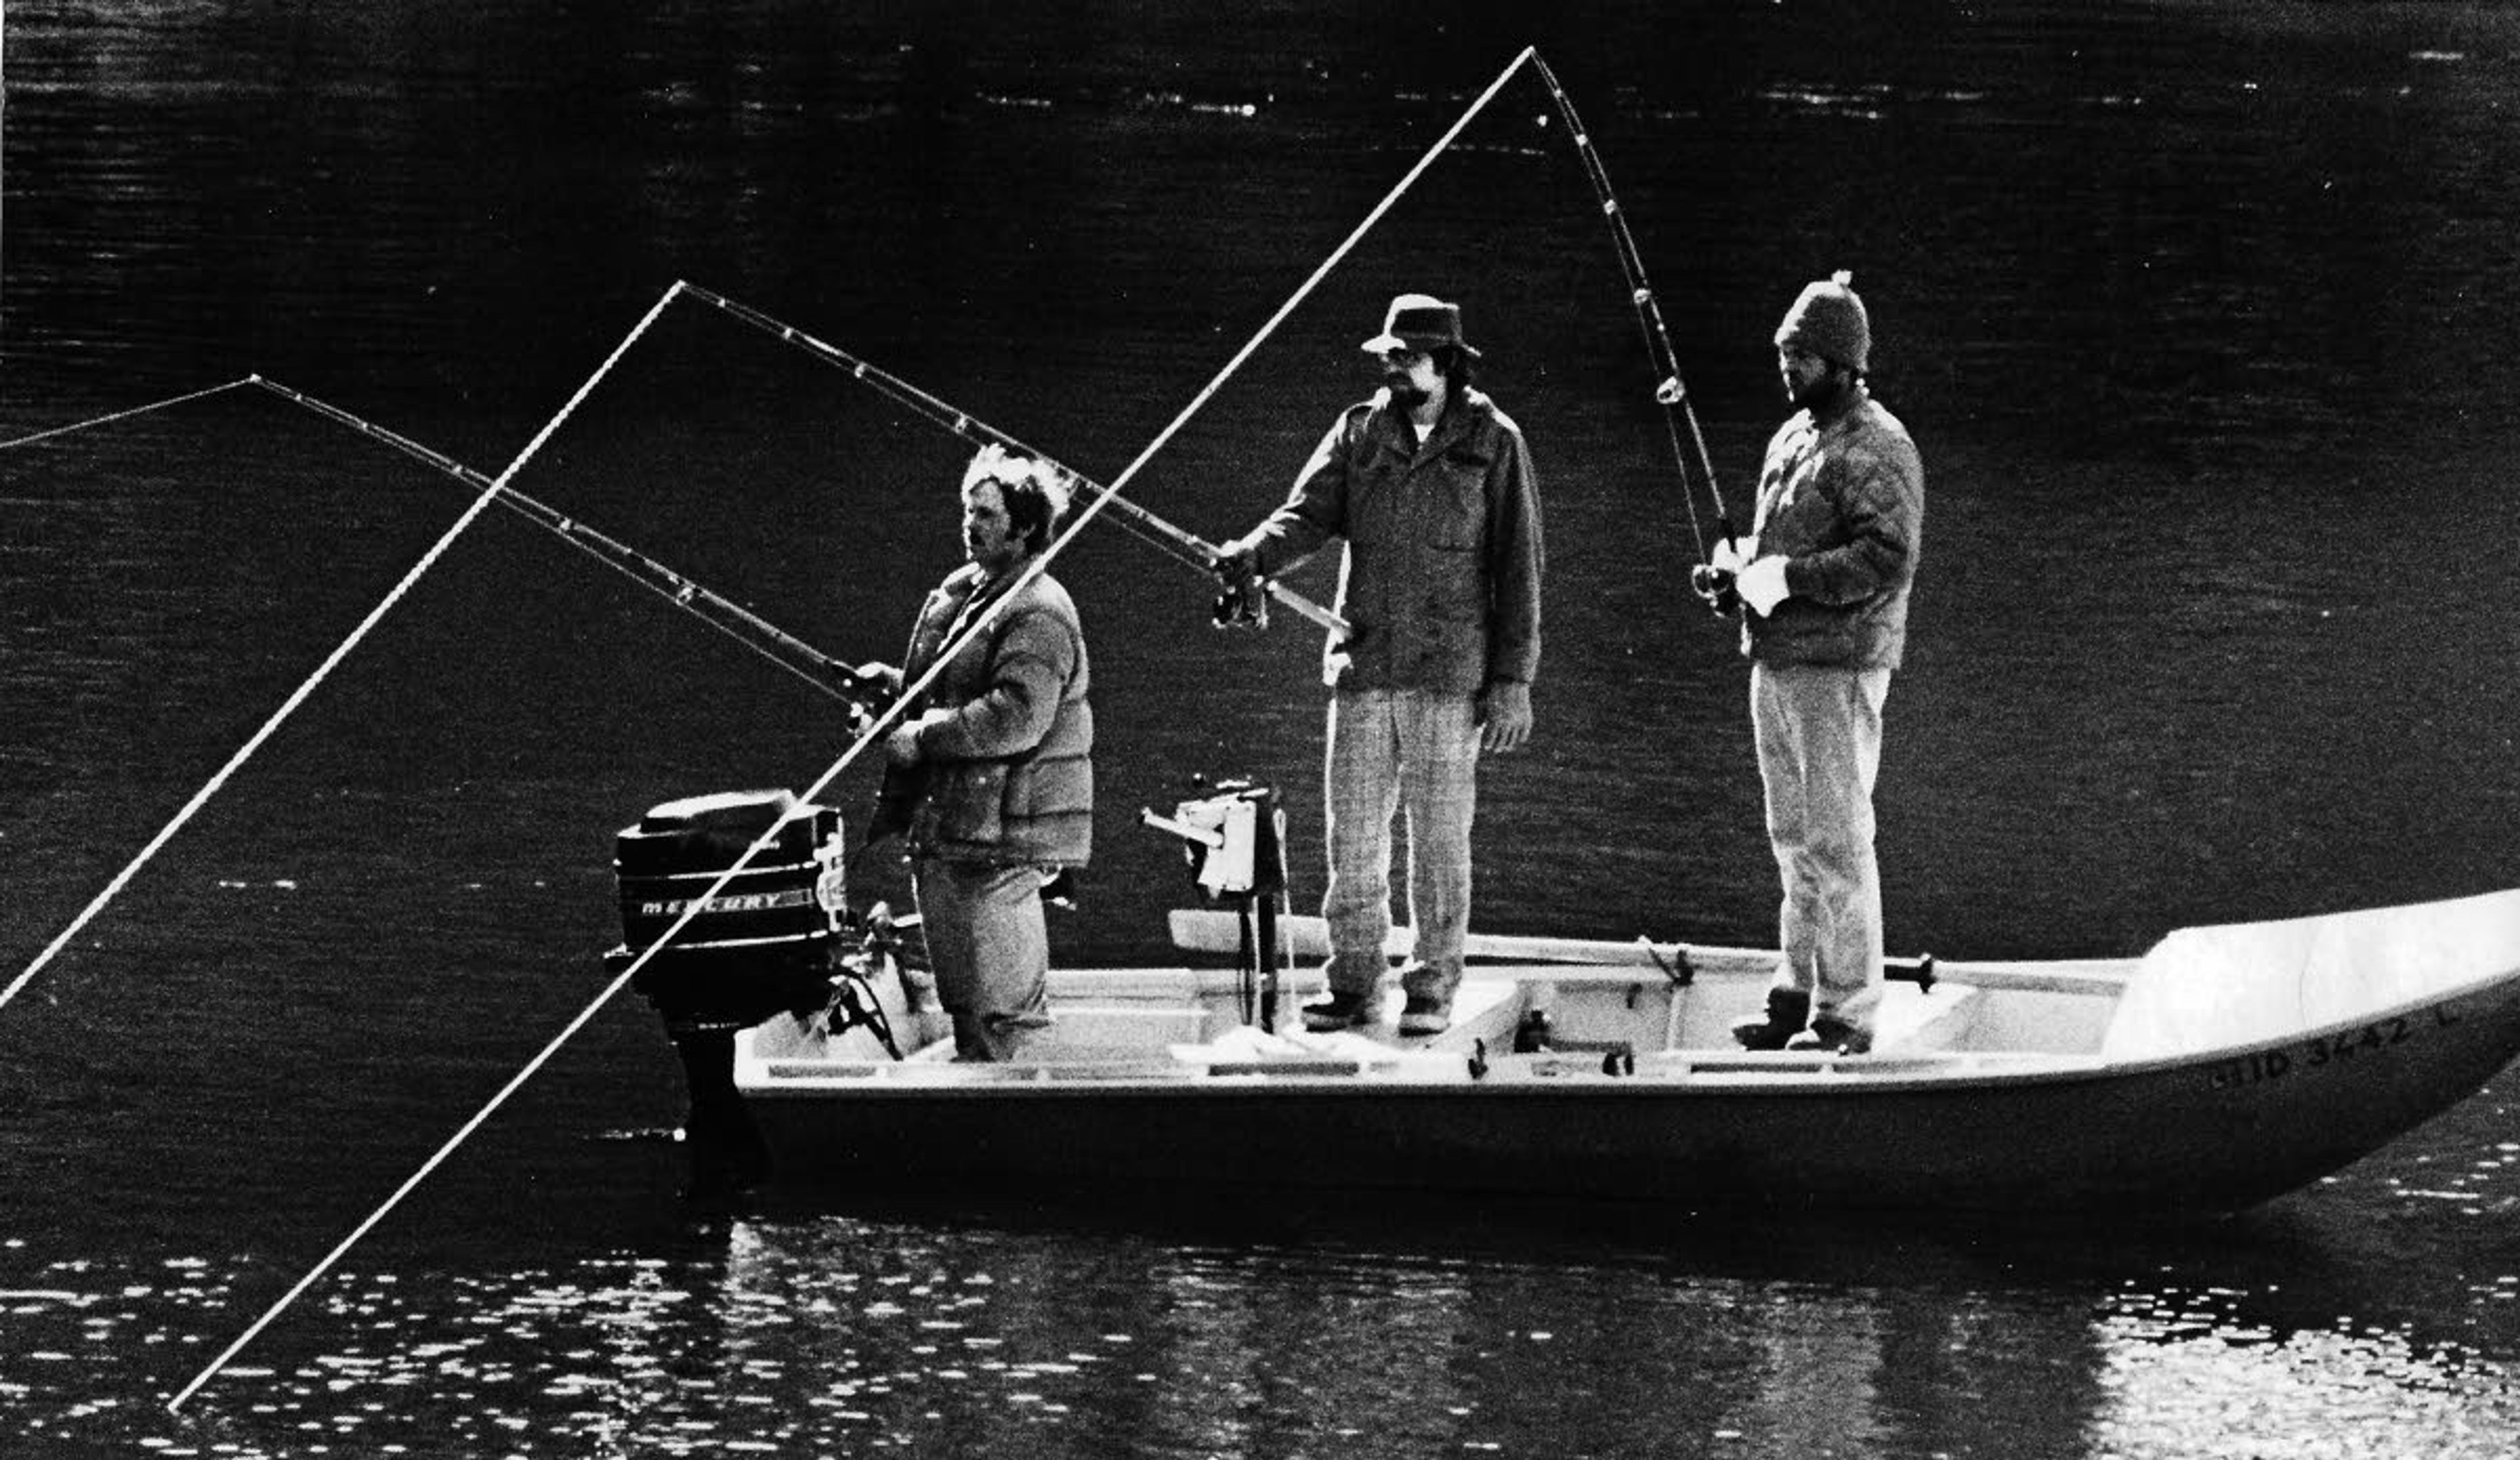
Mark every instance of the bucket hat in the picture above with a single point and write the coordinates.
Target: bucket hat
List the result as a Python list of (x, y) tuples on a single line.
[(1421, 322)]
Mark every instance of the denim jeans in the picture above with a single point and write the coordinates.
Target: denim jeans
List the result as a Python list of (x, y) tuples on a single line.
[(1819, 731), (1415, 751), (990, 952)]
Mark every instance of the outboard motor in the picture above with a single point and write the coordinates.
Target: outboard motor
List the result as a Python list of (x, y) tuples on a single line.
[(764, 942), (773, 940), (1236, 844)]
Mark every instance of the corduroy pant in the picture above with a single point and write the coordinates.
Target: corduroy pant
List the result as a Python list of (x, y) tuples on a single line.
[(1415, 751)]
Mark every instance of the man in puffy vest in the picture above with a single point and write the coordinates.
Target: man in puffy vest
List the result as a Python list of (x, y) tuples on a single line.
[(1824, 578), (992, 779), (1431, 488)]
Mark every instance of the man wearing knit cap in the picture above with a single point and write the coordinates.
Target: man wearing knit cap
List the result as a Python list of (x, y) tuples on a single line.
[(1433, 489), (1823, 580)]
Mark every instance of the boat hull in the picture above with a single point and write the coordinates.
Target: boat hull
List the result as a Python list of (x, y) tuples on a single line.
[(2211, 1132)]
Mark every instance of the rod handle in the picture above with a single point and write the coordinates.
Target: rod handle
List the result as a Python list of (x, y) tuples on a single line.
[(1309, 609)]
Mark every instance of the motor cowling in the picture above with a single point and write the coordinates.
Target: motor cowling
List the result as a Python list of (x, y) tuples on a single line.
[(768, 941)]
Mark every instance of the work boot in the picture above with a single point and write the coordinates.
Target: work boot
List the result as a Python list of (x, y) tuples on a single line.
[(1787, 1008), (1342, 1011), (1428, 1008), (1425, 1013), (1831, 1034)]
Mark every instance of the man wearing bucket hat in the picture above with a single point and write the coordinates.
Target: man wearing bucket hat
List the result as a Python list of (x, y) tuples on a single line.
[(1431, 487), (1824, 579)]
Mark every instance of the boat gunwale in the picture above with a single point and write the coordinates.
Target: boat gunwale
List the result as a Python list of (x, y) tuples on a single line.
[(1711, 1074)]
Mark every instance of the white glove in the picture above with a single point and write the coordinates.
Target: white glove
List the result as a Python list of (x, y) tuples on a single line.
[(1732, 554), (1763, 585)]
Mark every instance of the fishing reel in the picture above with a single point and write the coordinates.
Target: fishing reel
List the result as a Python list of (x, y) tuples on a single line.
[(1717, 588), (1244, 607), (863, 698), (1244, 602)]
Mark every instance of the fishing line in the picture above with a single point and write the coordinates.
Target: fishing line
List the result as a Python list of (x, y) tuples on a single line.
[(299, 695), (137, 410), (827, 675), (1669, 391), (881, 723), (758, 634), (480, 503), (1175, 541)]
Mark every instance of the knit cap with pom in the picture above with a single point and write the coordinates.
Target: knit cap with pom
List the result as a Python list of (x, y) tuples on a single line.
[(1829, 321)]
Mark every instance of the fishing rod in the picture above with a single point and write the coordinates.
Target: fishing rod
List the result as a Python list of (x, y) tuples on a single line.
[(832, 677), (1671, 392), (297, 697), (482, 503), (1173, 540), (883, 721), (841, 681)]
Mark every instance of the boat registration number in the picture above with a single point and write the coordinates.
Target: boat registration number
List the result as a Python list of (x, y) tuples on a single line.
[(2328, 1049)]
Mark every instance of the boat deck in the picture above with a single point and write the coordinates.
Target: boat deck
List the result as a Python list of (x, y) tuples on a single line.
[(1602, 1023)]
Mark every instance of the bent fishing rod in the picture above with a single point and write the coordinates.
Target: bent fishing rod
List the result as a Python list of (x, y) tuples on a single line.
[(863, 696), (1175, 541), (884, 720), (1714, 585), (841, 681), (832, 677), (1671, 392), (219, 778)]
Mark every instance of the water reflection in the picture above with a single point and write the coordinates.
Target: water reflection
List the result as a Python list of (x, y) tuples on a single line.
[(1522, 1328), (2186, 1365), (1235, 1346)]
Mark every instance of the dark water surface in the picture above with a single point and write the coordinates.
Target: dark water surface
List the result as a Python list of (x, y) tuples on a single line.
[(2200, 314)]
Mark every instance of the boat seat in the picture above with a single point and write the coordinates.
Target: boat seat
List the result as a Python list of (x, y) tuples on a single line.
[(1484, 1010), (1090, 1030), (1098, 1031), (1915, 1020)]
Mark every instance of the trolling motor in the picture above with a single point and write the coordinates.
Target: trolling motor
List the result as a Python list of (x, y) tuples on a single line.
[(779, 938), (1235, 845)]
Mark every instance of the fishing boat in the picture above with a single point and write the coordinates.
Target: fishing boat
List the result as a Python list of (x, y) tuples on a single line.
[(2228, 1064)]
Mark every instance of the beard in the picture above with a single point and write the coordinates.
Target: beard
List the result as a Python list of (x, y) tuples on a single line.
[(1817, 395), (1404, 395)]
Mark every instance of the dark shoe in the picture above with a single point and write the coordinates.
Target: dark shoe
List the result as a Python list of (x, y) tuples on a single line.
[(1342, 1011), (1423, 1015), (1786, 1011), (1831, 1034)]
